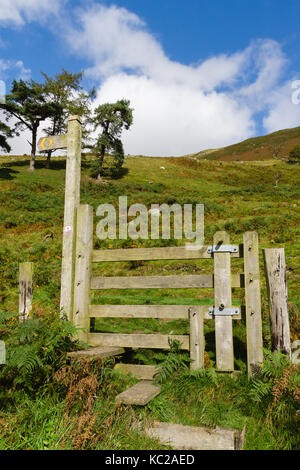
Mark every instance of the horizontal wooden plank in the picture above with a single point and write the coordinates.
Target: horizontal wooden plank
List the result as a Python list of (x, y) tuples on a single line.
[(183, 437), (96, 352), (172, 312), (161, 282), (140, 371), (52, 142), (139, 394), (147, 254), (137, 340)]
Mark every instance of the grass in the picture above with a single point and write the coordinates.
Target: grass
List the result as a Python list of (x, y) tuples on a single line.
[(261, 196)]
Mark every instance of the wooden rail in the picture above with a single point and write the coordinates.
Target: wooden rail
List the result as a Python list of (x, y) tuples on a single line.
[(173, 312), (137, 340), (188, 281), (151, 254)]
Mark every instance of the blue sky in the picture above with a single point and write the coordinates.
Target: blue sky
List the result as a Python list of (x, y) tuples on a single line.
[(199, 74)]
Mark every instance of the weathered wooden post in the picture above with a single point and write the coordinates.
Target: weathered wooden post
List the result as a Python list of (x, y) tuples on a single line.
[(222, 286), (196, 338), (2, 353), (82, 284), (71, 140), (72, 199), (25, 290), (253, 302), (275, 269)]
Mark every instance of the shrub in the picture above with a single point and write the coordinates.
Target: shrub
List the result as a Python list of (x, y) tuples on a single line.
[(294, 155), (35, 350)]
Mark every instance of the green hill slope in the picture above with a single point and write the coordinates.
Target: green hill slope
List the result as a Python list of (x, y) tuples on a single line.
[(277, 144)]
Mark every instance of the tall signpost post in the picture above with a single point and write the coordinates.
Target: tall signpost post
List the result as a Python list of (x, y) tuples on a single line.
[(71, 141)]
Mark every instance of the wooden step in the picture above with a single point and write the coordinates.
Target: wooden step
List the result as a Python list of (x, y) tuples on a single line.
[(99, 351), (144, 372), (181, 437), (140, 394)]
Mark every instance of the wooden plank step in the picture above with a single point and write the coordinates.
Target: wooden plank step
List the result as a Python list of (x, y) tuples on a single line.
[(181, 437), (140, 394), (99, 351), (144, 372)]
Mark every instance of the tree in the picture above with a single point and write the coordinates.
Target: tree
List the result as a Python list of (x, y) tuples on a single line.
[(112, 118), (5, 133), (294, 155), (27, 104), (65, 90)]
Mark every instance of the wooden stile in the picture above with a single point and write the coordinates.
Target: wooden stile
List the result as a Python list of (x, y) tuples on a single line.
[(222, 287), (84, 245), (253, 302)]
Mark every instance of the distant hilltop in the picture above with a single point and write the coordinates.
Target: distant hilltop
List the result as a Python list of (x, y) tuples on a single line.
[(275, 145)]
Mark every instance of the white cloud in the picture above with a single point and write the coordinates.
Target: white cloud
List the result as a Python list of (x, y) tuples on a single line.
[(178, 108), (15, 67), (175, 119), (283, 112), (17, 11), (117, 40)]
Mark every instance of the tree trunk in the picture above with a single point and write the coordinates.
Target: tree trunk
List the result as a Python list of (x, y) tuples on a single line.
[(101, 159), (33, 148), (49, 153)]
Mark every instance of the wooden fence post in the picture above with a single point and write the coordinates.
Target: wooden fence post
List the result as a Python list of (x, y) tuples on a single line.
[(253, 301), (25, 290), (222, 286), (196, 338), (72, 199), (83, 256), (2, 353), (275, 269)]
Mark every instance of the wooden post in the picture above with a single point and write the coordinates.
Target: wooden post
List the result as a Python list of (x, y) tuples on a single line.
[(253, 302), (196, 338), (25, 290), (275, 269), (83, 256), (2, 353), (72, 199), (222, 287)]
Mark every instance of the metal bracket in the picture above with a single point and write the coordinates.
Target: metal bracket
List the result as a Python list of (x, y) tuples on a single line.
[(222, 311), (222, 249)]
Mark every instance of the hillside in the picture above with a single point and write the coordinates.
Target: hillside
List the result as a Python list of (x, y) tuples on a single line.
[(262, 196), (277, 144)]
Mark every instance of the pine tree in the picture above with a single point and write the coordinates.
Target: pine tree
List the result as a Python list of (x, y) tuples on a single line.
[(5, 133), (112, 118), (27, 103), (65, 90)]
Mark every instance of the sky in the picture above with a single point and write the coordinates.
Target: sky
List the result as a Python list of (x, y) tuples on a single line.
[(199, 74)]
